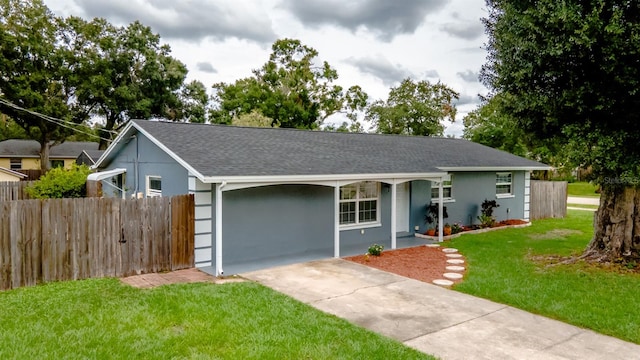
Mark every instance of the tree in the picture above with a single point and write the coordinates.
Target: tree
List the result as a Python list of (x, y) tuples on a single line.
[(125, 73), (10, 130), (414, 108), (570, 69), (291, 89), (253, 119), (193, 103), (35, 74)]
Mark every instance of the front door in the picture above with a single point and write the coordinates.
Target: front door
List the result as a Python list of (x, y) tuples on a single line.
[(402, 207)]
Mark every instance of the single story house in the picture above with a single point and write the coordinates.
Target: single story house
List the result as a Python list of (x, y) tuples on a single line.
[(10, 175), (267, 196), (19, 154)]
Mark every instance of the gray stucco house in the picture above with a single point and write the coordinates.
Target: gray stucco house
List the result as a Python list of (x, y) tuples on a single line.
[(267, 196)]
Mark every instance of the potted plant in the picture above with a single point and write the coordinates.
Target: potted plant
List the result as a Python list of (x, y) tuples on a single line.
[(431, 216), (446, 230), (431, 232)]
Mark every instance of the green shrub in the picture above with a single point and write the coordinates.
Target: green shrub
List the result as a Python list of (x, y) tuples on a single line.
[(375, 250), (61, 183)]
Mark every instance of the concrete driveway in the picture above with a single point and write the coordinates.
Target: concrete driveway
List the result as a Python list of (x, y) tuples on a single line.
[(437, 321)]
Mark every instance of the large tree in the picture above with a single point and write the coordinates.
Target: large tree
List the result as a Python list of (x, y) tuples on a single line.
[(36, 72), (292, 88), (572, 70), (414, 108), (126, 73)]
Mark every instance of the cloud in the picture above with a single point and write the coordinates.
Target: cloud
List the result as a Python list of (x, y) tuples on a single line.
[(193, 20), (432, 74), (468, 76), (464, 30), (467, 100), (383, 69), (206, 67), (384, 18)]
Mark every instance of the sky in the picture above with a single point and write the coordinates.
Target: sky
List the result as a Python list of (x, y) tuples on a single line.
[(371, 43)]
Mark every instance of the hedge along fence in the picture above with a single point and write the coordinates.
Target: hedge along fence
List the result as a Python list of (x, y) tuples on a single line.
[(70, 239)]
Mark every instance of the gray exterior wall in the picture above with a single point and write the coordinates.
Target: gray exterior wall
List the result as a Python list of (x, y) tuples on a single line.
[(152, 161), (276, 221), (469, 190), (354, 241)]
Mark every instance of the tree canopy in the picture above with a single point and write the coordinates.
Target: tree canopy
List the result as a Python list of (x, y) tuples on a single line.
[(570, 70), (414, 108), (291, 88)]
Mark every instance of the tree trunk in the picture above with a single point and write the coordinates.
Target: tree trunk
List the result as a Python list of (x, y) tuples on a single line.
[(45, 148), (616, 225)]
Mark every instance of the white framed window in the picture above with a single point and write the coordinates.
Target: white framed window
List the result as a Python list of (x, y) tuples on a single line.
[(447, 190), (504, 184), (360, 204), (154, 186), (15, 164)]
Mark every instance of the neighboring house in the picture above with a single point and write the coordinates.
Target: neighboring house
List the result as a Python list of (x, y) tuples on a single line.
[(10, 175), (89, 157), (268, 196), (17, 154)]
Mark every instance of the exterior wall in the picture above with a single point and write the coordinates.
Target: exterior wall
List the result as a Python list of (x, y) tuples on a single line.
[(152, 161), (5, 163), (470, 189), (33, 163), (275, 221), (362, 238), (420, 197), (8, 177), (30, 164)]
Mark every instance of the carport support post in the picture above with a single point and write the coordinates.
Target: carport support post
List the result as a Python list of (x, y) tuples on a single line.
[(336, 221), (393, 214), (440, 210), (219, 271)]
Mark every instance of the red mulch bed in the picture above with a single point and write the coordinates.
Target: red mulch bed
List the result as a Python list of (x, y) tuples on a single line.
[(420, 262)]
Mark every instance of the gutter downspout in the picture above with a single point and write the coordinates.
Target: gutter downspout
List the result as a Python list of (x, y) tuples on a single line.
[(219, 271)]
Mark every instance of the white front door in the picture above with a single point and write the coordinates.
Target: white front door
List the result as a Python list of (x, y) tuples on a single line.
[(402, 207)]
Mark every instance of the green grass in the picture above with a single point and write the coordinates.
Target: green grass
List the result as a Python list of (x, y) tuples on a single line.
[(101, 318), (582, 189), (509, 266)]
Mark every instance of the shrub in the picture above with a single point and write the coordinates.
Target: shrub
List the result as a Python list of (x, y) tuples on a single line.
[(375, 250), (61, 183), (486, 217)]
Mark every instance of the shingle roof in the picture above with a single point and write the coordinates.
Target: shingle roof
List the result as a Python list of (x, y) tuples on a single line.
[(219, 150), (31, 148)]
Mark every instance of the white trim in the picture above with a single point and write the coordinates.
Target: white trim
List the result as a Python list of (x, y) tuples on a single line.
[(357, 200), (394, 209), (510, 183), (440, 211), (360, 226), (13, 172), (149, 192), (505, 196), (344, 179), (493, 168), (219, 271), (445, 200), (97, 176), (336, 220)]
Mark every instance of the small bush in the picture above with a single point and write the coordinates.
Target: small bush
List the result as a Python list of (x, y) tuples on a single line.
[(486, 217), (375, 250), (61, 183)]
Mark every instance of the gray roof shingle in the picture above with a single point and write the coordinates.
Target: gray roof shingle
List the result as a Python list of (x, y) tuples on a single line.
[(31, 148), (219, 150)]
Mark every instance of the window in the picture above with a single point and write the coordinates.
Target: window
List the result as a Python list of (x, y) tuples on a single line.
[(504, 184), (359, 203), (154, 186), (57, 164), (15, 164), (447, 190)]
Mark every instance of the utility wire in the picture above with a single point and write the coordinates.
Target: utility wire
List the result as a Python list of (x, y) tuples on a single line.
[(56, 121)]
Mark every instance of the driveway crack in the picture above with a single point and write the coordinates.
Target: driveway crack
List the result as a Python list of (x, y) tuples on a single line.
[(356, 290)]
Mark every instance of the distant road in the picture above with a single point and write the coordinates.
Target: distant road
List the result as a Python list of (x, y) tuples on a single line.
[(583, 200)]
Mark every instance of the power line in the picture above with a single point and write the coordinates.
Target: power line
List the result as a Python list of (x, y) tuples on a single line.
[(56, 121)]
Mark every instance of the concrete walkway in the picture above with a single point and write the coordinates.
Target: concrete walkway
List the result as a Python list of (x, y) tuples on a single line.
[(437, 321)]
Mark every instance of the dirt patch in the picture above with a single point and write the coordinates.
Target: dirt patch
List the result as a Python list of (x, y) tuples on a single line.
[(421, 262), (555, 234)]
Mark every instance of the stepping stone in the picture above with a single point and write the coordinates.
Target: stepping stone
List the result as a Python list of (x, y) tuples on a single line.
[(455, 261), (453, 276), (450, 250), (432, 245), (443, 282), (455, 268), (454, 256)]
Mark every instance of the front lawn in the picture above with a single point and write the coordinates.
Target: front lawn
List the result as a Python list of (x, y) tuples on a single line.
[(512, 266), (582, 189), (103, 319)]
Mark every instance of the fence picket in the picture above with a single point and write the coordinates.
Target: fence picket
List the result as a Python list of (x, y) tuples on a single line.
[(548, 199)]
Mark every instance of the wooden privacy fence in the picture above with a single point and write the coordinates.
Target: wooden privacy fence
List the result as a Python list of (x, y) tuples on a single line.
[(69, 239), (548, 199), (14, 190)]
